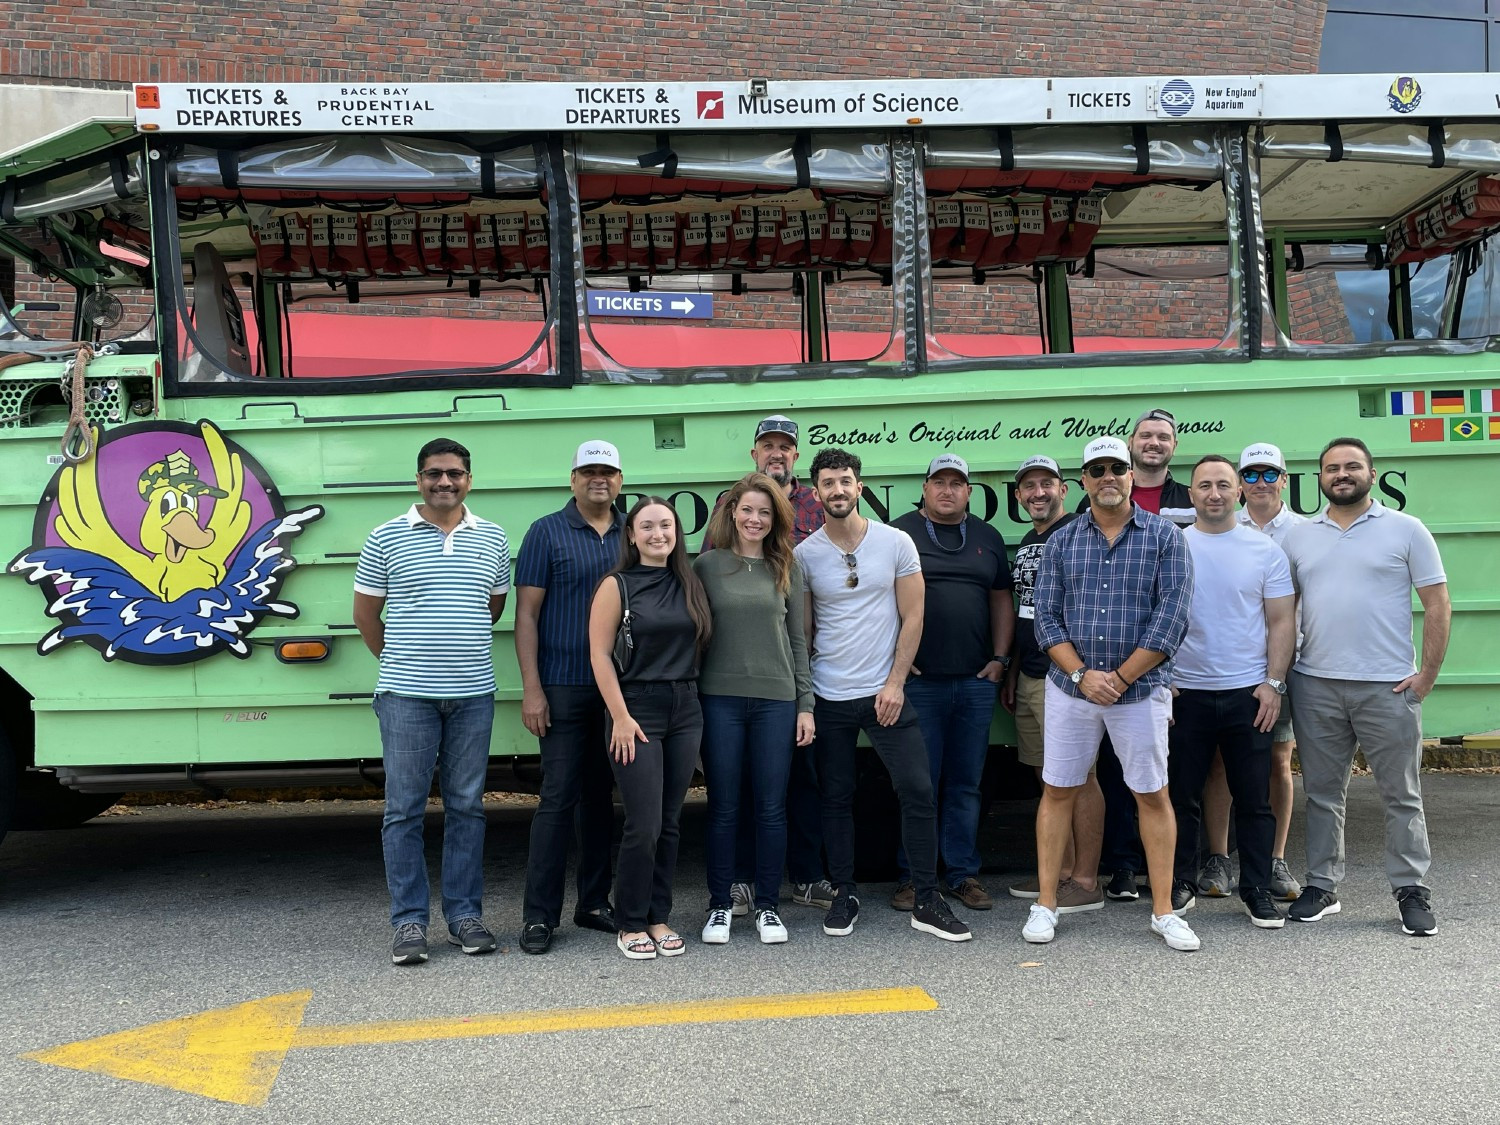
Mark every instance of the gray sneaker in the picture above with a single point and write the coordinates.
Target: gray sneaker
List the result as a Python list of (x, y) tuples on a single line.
[(470, 935), (819, 894), (741, 899), (1216, 880), (409, 946), (1283, 886)]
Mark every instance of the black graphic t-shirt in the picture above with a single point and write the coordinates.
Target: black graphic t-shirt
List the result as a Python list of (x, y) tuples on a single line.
[(1034, 662)]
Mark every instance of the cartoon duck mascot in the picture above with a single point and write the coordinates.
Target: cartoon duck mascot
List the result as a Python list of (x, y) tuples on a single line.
[(197, 583)]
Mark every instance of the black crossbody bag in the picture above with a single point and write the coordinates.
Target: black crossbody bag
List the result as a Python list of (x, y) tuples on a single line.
[(624, 643)]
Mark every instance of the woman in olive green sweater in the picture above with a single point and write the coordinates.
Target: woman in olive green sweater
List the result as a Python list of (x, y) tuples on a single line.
[(755, 689)]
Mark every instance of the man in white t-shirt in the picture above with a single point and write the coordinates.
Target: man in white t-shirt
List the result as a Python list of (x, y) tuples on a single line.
[(864, 592), (1227, 684), (1357, 682)]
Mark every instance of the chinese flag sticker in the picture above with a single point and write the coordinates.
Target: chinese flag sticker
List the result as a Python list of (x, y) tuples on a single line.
[(1427, 429), (148, 97)]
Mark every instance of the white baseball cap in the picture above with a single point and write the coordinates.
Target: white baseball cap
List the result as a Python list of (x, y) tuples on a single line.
[(1106, 448), (948, 461), (1038, 462), (1262, 453), (596, 453)]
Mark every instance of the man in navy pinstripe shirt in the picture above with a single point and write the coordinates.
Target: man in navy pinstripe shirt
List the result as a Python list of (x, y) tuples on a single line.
[(1112, 597), (562, 559)]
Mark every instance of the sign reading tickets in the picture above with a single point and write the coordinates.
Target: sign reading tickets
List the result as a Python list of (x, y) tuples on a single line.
[(167, 545)]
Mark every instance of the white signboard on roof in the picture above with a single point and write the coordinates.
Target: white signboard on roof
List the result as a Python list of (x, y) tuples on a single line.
[(423, 107)]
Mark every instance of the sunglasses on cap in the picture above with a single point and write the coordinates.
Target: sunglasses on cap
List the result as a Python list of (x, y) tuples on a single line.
[(1113, 468), (1255, 476), (774, 426)]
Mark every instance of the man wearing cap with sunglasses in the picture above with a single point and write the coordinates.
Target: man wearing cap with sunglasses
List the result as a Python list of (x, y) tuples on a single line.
[(1262, 481), (774, 453), (968, 623), (562, 559), (863, 583), (1042, 493), (1112, 599)]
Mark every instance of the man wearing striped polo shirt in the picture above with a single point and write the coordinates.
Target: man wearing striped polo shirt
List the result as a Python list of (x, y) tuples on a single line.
[(440, 574)]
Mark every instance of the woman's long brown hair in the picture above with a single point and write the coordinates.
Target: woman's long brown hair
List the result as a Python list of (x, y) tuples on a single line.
[(692, 588), (778, 543)]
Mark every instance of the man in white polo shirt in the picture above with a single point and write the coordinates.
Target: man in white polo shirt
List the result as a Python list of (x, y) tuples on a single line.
[(1356, 680), (440, 574)]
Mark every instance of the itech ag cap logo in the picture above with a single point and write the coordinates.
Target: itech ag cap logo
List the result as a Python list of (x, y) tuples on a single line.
[(710, 105), (1176, 97), (1405, 94)]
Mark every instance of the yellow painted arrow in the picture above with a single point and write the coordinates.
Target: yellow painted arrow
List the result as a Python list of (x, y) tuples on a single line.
[(234, 1054)]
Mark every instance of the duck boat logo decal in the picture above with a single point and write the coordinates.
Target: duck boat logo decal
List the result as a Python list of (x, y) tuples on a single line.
[(167, 545)]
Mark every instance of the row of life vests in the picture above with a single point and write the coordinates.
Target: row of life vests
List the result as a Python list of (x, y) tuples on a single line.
[(748, 237), (1469, 211)]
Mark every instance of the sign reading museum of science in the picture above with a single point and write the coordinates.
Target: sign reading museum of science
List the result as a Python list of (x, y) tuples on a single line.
[(665, 306)]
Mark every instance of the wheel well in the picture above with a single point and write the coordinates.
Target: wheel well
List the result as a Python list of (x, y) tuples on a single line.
[(17, 720)]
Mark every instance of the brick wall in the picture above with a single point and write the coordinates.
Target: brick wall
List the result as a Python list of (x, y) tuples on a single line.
[(85, 43)]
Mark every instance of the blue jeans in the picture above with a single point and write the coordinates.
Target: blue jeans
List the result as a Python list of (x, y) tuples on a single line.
[(954, 713), (418, 736), (747, 736)]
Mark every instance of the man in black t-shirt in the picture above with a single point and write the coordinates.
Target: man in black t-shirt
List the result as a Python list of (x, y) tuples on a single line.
[(966, 640), (1042, 492)]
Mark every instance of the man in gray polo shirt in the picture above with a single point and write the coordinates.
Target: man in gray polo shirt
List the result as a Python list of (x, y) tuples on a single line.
[(1356, 681)]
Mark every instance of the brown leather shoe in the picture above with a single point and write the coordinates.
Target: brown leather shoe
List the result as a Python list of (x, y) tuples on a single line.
[(972, 894), (1073, 899), (905, 897)]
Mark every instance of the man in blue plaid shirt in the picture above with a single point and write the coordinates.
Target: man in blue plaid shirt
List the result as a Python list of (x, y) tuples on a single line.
[(1112, 597)]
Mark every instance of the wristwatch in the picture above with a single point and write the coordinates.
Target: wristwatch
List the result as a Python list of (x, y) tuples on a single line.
[(1077, 677), (1003, 661), (1278, 686)]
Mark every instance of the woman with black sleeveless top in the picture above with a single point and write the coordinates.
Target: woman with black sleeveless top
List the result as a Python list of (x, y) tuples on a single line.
[(655, 722)]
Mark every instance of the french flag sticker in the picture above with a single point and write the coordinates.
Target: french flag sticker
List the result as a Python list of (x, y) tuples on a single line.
[(1408, 402)]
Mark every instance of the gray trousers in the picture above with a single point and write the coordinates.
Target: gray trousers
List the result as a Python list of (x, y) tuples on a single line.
[(1333, 718)]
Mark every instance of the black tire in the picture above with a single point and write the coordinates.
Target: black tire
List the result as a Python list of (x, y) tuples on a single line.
[(42, 803), (8, 780)]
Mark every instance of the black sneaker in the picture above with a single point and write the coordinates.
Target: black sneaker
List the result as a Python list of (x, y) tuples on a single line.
[(536, 937), (1183, 898), (1415, 904), (409, 945), (936, 918), (1122, 886), (839, 921), (1262, 908), (1312, 904), (470, 935)]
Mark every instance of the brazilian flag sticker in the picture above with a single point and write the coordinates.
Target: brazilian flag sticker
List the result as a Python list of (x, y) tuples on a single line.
[(1466, 429)]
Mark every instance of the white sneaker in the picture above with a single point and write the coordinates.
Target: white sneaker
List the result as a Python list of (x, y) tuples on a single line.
[(772, 930), (741, 898), (716, 929), (1175, 932), (1041, 924)]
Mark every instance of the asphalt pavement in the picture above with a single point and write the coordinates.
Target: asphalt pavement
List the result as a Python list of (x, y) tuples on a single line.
[(163, 913)]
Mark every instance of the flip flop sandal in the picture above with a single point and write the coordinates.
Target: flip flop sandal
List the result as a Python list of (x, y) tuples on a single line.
[(638, 949), (670, 945)]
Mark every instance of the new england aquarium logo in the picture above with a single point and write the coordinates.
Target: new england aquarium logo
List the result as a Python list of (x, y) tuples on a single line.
[(167, 545), (1176, 97), (1405, 94)]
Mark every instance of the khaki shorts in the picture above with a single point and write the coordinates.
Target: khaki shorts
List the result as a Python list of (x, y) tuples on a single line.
[(1029, 718)]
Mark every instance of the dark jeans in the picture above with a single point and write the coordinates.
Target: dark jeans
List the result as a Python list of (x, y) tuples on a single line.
[(1222, 720), (1122, 839), (954, 714), (804, 824), (417, 737), (652, 788), (901, 748), (747, 738), (577, 800)]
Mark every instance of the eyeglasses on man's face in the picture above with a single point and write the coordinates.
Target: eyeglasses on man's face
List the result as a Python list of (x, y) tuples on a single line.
[(432, 476), (1113, 468), (1255, 476), (853, 564)]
